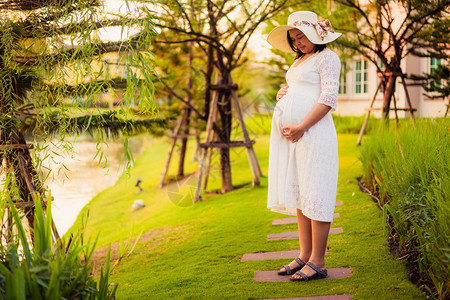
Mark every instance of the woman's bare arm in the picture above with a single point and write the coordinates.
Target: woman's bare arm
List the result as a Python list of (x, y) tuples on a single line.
[(295, 132)]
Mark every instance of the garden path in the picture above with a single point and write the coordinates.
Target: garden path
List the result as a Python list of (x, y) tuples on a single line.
[(272, 275)]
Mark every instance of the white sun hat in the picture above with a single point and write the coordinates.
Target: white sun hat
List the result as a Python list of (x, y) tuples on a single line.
[(317, 32)]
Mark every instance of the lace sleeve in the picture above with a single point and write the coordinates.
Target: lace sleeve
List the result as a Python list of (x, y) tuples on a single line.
[(329, 68)]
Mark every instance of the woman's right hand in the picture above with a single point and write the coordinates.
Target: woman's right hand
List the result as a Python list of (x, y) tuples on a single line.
[(282, 92)]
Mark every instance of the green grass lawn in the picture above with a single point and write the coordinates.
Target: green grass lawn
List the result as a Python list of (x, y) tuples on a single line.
[(193, 251)]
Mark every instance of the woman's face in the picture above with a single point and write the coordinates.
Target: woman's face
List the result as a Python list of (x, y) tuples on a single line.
[(301, 42)]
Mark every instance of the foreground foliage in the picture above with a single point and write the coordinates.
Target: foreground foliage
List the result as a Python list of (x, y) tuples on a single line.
[(409, 170), (47, 270)]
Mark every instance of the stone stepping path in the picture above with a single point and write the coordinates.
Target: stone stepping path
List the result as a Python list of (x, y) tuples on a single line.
[(272, 275), (294, 234), (329, 297), (271, 255), (284, 221)]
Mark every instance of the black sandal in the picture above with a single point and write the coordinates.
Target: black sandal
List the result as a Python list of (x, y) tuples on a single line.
[(320, 273), (290, 271)]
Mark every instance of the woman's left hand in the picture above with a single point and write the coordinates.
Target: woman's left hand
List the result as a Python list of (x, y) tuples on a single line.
[(292, 133)]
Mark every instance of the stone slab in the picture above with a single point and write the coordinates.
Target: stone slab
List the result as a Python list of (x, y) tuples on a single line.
[(294, 234), (272, 275), (284, 221), (328, 297), (271, 255), (338, 203)]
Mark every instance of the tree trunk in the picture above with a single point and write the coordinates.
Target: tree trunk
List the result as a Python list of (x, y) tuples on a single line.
[(187, 114), (184, 140), (225, 170), (387, 97), (224, 135), (208, 79)]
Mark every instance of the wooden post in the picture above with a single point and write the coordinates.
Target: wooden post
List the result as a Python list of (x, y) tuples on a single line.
[(209, 132), (256, 170), (184, 140), (208, 166), (209, 155), (448, 105), (411, 111), (197, 151), (172, 147), (395, 111), (196, 154), (366, 119)]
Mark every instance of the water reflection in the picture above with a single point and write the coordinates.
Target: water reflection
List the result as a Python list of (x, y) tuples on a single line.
[(74, 188)]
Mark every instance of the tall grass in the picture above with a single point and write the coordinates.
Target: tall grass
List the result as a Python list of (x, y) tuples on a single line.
[(48, 270), (410, 172), (353, 124)]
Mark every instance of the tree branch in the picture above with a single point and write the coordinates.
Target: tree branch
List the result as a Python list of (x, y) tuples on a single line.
[(213, 41), (187, 103), (46, 30), (355, 6), (424, 17)]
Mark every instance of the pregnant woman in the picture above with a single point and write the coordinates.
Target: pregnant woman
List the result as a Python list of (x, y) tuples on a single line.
[(303, 158)]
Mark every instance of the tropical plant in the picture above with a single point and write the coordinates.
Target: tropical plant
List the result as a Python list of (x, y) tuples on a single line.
[(45, 269)]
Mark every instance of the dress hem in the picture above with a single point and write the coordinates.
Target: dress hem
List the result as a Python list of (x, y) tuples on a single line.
[(292, 211)]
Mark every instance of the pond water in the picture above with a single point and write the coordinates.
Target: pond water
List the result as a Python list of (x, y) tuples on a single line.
[(74, 187)]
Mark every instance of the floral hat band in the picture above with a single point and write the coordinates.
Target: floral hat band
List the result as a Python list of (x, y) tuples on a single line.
[(322, 27), (318, 32)]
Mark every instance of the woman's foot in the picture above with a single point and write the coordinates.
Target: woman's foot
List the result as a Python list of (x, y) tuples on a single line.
[(310, 271), (293, 267)]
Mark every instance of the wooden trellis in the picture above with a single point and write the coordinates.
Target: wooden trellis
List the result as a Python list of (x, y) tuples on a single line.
[(211, 141), (395, 108), (180, 131)]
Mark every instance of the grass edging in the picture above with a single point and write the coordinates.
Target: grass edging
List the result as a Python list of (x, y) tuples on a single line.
[(408, 172)]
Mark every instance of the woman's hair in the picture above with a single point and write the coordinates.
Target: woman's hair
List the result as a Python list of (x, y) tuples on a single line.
[(300, 53)]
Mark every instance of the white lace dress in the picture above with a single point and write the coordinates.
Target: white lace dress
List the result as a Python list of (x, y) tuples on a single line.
[(304, 174)]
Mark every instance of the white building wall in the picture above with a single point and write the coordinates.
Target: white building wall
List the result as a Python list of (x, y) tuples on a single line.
[(353, 104), (429, 108)]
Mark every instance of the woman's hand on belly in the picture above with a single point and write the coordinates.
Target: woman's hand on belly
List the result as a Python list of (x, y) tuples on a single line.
[(293, 132), (282, 92)]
